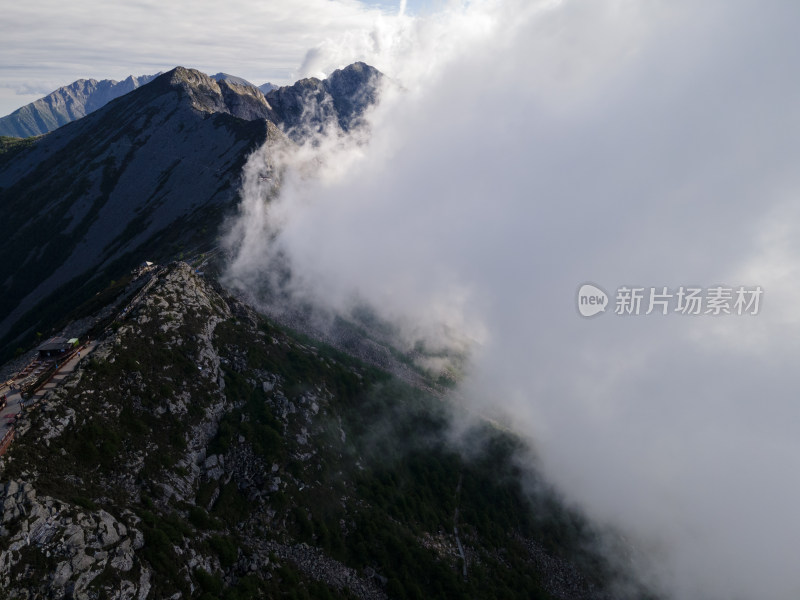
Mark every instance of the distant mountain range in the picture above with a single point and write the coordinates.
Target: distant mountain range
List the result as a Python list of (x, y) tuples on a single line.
[(67, 104)]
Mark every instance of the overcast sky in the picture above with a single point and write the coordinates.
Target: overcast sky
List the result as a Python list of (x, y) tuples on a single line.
[(45, 44), (541, 145)]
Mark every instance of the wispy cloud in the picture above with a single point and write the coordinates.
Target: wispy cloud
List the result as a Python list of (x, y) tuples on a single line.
[(541, 145)]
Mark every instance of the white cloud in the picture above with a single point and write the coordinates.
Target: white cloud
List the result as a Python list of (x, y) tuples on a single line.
[(542, 145)]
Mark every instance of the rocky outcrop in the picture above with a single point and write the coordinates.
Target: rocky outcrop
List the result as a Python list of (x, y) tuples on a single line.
[(227, 96), (365, 586), (67, 547)]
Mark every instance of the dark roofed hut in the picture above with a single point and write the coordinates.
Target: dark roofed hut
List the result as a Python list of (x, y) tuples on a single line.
[(54, 348)]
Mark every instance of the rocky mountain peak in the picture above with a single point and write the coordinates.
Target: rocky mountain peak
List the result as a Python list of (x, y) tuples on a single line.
[(202, 90), (311, 105), (210, 95)]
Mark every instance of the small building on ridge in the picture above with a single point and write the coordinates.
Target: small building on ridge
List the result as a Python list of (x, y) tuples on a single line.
[(55, 347)]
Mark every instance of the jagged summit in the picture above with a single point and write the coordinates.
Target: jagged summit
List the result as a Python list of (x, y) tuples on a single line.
[(219, 96), (342, 97)]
